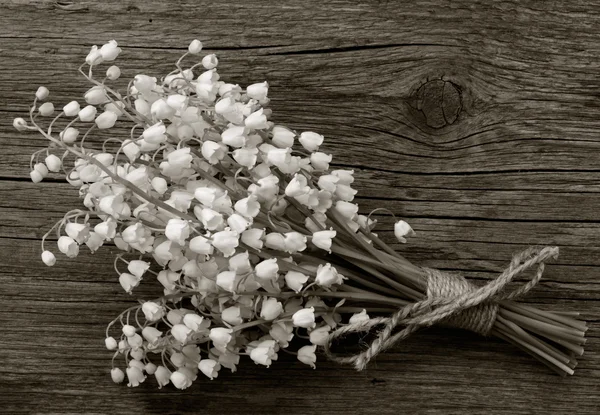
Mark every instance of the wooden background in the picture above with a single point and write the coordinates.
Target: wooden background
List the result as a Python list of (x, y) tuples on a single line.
[(479, 124)]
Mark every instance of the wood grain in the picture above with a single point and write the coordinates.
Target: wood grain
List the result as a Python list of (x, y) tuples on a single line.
[(478, 122)]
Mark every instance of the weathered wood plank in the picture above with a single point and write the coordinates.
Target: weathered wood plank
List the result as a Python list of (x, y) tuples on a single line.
[(478, 123)]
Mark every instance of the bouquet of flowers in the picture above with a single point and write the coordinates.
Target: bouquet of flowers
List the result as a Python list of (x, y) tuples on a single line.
[(254, 238)]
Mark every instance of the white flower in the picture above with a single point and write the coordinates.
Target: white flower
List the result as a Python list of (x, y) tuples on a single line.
[(117, 375), (345, 192), (295, 280), (110, 51), (279, 156), (232, 315), (180, 158), (220, 337), (227, 280), (160, 110), (253, 238), (307, 355), (320, 161), (210, 368), (245, 156), (159, 184), (264, 353), (162, 375), (152, 311), (155, 133), (238, 223), (181, 379), (240, 263), (138, 267), (177, 230), (48, 258), (323, 239), (42, 93), (294, 242), (234, 136), (195, 47), (346, 209), (78, 231), (150, 368), (177, 101), (320, 335), (71, 109), (68, 246), (106, 229), (257, 120), (282, 137), (135, 376), (311, 141), (359, 317), (258, 91), (106, 120), (304, 318), (128, 281), (212, 220), (46, 109), (248, 206), (275, 240), (96, 95), (267, 269), (328, 182), (271, 309), (94, 241), (94, 57), (298, 186), (181, 333), (402, 230), (213, 152), (282, 332), (151, 334), (195, 322), (168, 279), (210, 61), (226, 241), (327, 276), (201, 245), (36, 176)]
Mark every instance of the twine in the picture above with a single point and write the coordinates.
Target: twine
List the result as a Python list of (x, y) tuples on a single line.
[(451, 300)]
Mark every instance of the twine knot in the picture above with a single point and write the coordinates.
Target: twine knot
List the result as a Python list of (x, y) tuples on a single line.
[(450, 300)]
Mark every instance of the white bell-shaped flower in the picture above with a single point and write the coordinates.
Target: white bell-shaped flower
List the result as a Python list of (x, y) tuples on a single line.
[(402, 230), (106, 120), (319, 335), (195, 47), (210, 61), (181, 379), (264, 352), (68, 246), (213, 152), (232, 315), (220, 337), (310, 140), (267, 269), (282, 137), (210, 368), (226, 241), (153, 311), (328, 275), (201, 245), (298, 186), (109, 51), (71, 109), (258, 91), (178, 230), (304, 318), (323, 239), (306, 355), (295, 280), (128, 281), (271, 309), (294, 242), (48, 258), (253, 238)]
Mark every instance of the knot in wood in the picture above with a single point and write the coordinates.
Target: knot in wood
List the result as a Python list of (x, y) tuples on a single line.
[(440, 102)]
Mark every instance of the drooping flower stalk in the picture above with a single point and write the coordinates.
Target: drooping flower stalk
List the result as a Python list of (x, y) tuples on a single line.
[(253, 237)]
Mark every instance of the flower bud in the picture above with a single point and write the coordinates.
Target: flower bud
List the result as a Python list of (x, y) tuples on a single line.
[(106, 120), (304, 318), (48, 258), (195, 47), (96, 95), (94, 57), (109, 51), (53, 163), (110, 343), (258, 91), (210, 61), (68, 246), (117, 375), (36, 176), (159, 184), (403, 229), (88, 113), (210, 368), (42, 93), (69, 135), (128, 330), (20, 124), (71, 109), (113, 73), (46, 109), (271, 309), (307, 355)]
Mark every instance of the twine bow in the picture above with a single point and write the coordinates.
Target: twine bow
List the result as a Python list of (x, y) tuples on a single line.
[(450, 299)]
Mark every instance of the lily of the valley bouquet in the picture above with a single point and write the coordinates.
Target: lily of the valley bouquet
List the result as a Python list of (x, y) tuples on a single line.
[(255, 240)]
